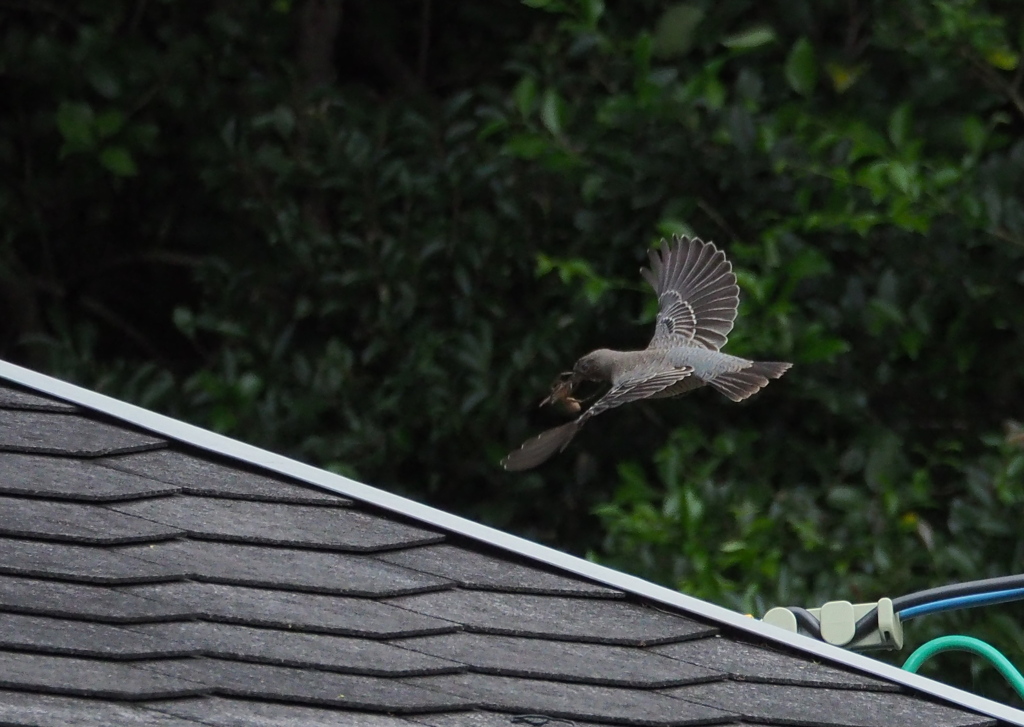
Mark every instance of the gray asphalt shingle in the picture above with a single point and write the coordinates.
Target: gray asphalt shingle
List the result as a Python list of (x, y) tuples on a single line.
[(69, 435), (478, 718), (556, 617), (60, 478), (11, 398), (308, 686), (94, 677), (76, 523), (201, 476), (84, 638), (287, 609), (79, 601), (81, 563), (47, 710), (315, 571), (224, 712), (267, 523), (752, 663), (561, 660), (576, 701), (291, 648), (825, 707), (479, 571)]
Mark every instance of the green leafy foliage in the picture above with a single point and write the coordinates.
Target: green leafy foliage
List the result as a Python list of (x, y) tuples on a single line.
[(802, 67), (676, 28), (380, 267)]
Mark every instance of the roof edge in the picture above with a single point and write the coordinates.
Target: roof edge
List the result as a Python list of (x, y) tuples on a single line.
[(248, 454)]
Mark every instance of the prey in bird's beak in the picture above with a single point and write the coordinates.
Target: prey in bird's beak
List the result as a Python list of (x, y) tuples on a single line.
[(561, 393)]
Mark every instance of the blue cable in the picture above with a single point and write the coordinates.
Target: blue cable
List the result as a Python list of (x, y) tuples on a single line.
[(968, 601)]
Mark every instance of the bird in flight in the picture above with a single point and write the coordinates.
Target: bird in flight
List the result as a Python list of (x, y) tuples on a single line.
[(697, 301)]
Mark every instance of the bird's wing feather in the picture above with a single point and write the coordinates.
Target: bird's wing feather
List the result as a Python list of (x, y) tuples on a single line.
[(697, 294), (539, 449), (636, 388)]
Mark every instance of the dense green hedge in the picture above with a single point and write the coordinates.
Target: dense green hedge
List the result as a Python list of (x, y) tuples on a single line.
[(375, 257)]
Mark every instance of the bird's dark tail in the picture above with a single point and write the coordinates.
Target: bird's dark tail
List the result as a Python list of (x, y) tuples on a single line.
[(738, 385), (540, 448)]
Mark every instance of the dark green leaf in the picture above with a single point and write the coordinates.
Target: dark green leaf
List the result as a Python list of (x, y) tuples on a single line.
[(802, 67), (674, 33), (75, 123), (118, 161), (753, 37)]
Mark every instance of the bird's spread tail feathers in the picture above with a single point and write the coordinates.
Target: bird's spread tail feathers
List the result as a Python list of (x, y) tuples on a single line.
[(538, 449), (738, 385)]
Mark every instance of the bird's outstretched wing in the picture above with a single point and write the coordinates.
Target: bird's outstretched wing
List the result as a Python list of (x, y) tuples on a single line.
[(697, 294), (641, 386), (539, 449)]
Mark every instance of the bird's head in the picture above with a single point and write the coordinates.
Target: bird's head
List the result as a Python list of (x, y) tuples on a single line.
[(595, 366)]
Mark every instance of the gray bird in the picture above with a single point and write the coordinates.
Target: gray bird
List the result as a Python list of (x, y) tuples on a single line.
[(697, 301)]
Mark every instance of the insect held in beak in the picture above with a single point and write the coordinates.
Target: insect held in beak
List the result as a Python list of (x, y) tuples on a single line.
[(561, 393)]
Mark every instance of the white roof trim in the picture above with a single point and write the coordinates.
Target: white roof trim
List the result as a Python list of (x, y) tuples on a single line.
[(219, 444)]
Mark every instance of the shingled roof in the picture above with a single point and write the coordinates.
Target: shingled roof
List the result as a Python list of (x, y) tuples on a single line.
[(155, 574)]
